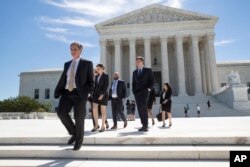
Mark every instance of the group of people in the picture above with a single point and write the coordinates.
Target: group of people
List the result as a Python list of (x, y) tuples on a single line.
[(198, 109), (80, 83)]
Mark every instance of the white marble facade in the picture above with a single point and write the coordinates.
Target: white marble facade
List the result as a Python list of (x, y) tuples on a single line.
[(177, 44)]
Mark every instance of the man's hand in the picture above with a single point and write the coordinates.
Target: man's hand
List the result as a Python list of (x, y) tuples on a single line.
[(100, 97)]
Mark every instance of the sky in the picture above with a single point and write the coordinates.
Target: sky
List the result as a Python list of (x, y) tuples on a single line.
[(35, 34)]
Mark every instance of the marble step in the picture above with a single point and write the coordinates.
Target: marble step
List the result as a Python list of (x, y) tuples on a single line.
[(113, 152), (112, 163), (110, 140)]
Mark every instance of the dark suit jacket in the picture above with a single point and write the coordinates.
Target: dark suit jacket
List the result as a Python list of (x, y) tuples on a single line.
[(101, 88), (121, 90), (83, 78), (143, 81), (166, 97)]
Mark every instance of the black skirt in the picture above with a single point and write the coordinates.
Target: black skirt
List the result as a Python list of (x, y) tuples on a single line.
[(167, 106), (150, 104), (103, 102)]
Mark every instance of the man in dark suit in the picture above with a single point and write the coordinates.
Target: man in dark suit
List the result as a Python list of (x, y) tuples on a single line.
[(142, 84), (117, 94), (74, 86)]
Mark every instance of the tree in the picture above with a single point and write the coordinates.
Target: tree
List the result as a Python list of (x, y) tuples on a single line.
[(23, 104)]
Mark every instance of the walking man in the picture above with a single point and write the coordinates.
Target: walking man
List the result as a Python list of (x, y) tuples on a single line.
[(142, 83), (117, 94), (74, 86)]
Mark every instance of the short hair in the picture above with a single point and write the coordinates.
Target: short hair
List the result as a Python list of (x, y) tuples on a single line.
[(76, 44), (101, 66), (140, 57)]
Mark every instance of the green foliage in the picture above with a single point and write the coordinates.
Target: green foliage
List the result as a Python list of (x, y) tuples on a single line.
[(23, 104)]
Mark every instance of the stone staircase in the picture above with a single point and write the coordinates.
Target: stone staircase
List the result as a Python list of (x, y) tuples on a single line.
[(217, 108), (190, 139)]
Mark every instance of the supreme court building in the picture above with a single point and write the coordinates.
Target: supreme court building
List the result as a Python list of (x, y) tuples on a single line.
[(177, 44)]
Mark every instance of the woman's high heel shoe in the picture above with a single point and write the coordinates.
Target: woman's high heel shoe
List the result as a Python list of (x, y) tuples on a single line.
[(163, 125), (95, 128), (107, 124), (170, 124), (102, 129)]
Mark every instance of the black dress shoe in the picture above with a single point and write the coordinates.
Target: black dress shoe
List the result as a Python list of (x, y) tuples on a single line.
[(125, 124), (143, 129), (77, 147), (72, 140), (114, 127)]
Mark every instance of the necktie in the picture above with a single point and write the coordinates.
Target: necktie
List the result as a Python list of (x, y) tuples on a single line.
[(72, 76), (114, 87), (139, 71)]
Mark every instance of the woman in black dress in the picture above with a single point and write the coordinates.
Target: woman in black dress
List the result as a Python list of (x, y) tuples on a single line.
[(100, 96), (166, 104), (151, 101)]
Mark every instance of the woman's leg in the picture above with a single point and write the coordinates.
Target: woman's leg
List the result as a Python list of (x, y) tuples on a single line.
[(150, 115), (163, 118), (104, 116), (95, 115), (170, 118)]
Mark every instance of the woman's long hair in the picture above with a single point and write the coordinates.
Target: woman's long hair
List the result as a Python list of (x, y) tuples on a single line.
[(168, 86)]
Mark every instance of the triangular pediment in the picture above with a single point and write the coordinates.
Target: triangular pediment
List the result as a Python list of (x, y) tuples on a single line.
[(156, 13)]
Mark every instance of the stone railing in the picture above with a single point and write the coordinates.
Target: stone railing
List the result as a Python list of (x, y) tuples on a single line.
[(21, 115), (235, 96)]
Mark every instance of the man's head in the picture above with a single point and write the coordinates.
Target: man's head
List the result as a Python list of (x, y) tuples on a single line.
[(139, 62), (76, 50), (116, 76)]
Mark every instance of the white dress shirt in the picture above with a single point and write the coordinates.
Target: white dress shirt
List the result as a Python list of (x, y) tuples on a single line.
[(114, 89), (68, 73)]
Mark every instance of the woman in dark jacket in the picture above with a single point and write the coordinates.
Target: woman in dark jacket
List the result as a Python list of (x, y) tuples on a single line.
[(151, 101), (166, 103), (100, 96)]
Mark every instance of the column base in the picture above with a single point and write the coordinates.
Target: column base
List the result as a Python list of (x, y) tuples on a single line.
[(182, 94), (199, 94)]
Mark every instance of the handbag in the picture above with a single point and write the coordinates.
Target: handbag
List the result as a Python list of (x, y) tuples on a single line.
[(159, 115)]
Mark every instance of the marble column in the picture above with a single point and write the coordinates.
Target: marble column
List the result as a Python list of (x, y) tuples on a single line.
[(180, 64), (103, 58), (207, 67), (147, 52), (203, 68), (132, 57), (164, 60), (197, 65), (213, 67), (118, 65)]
